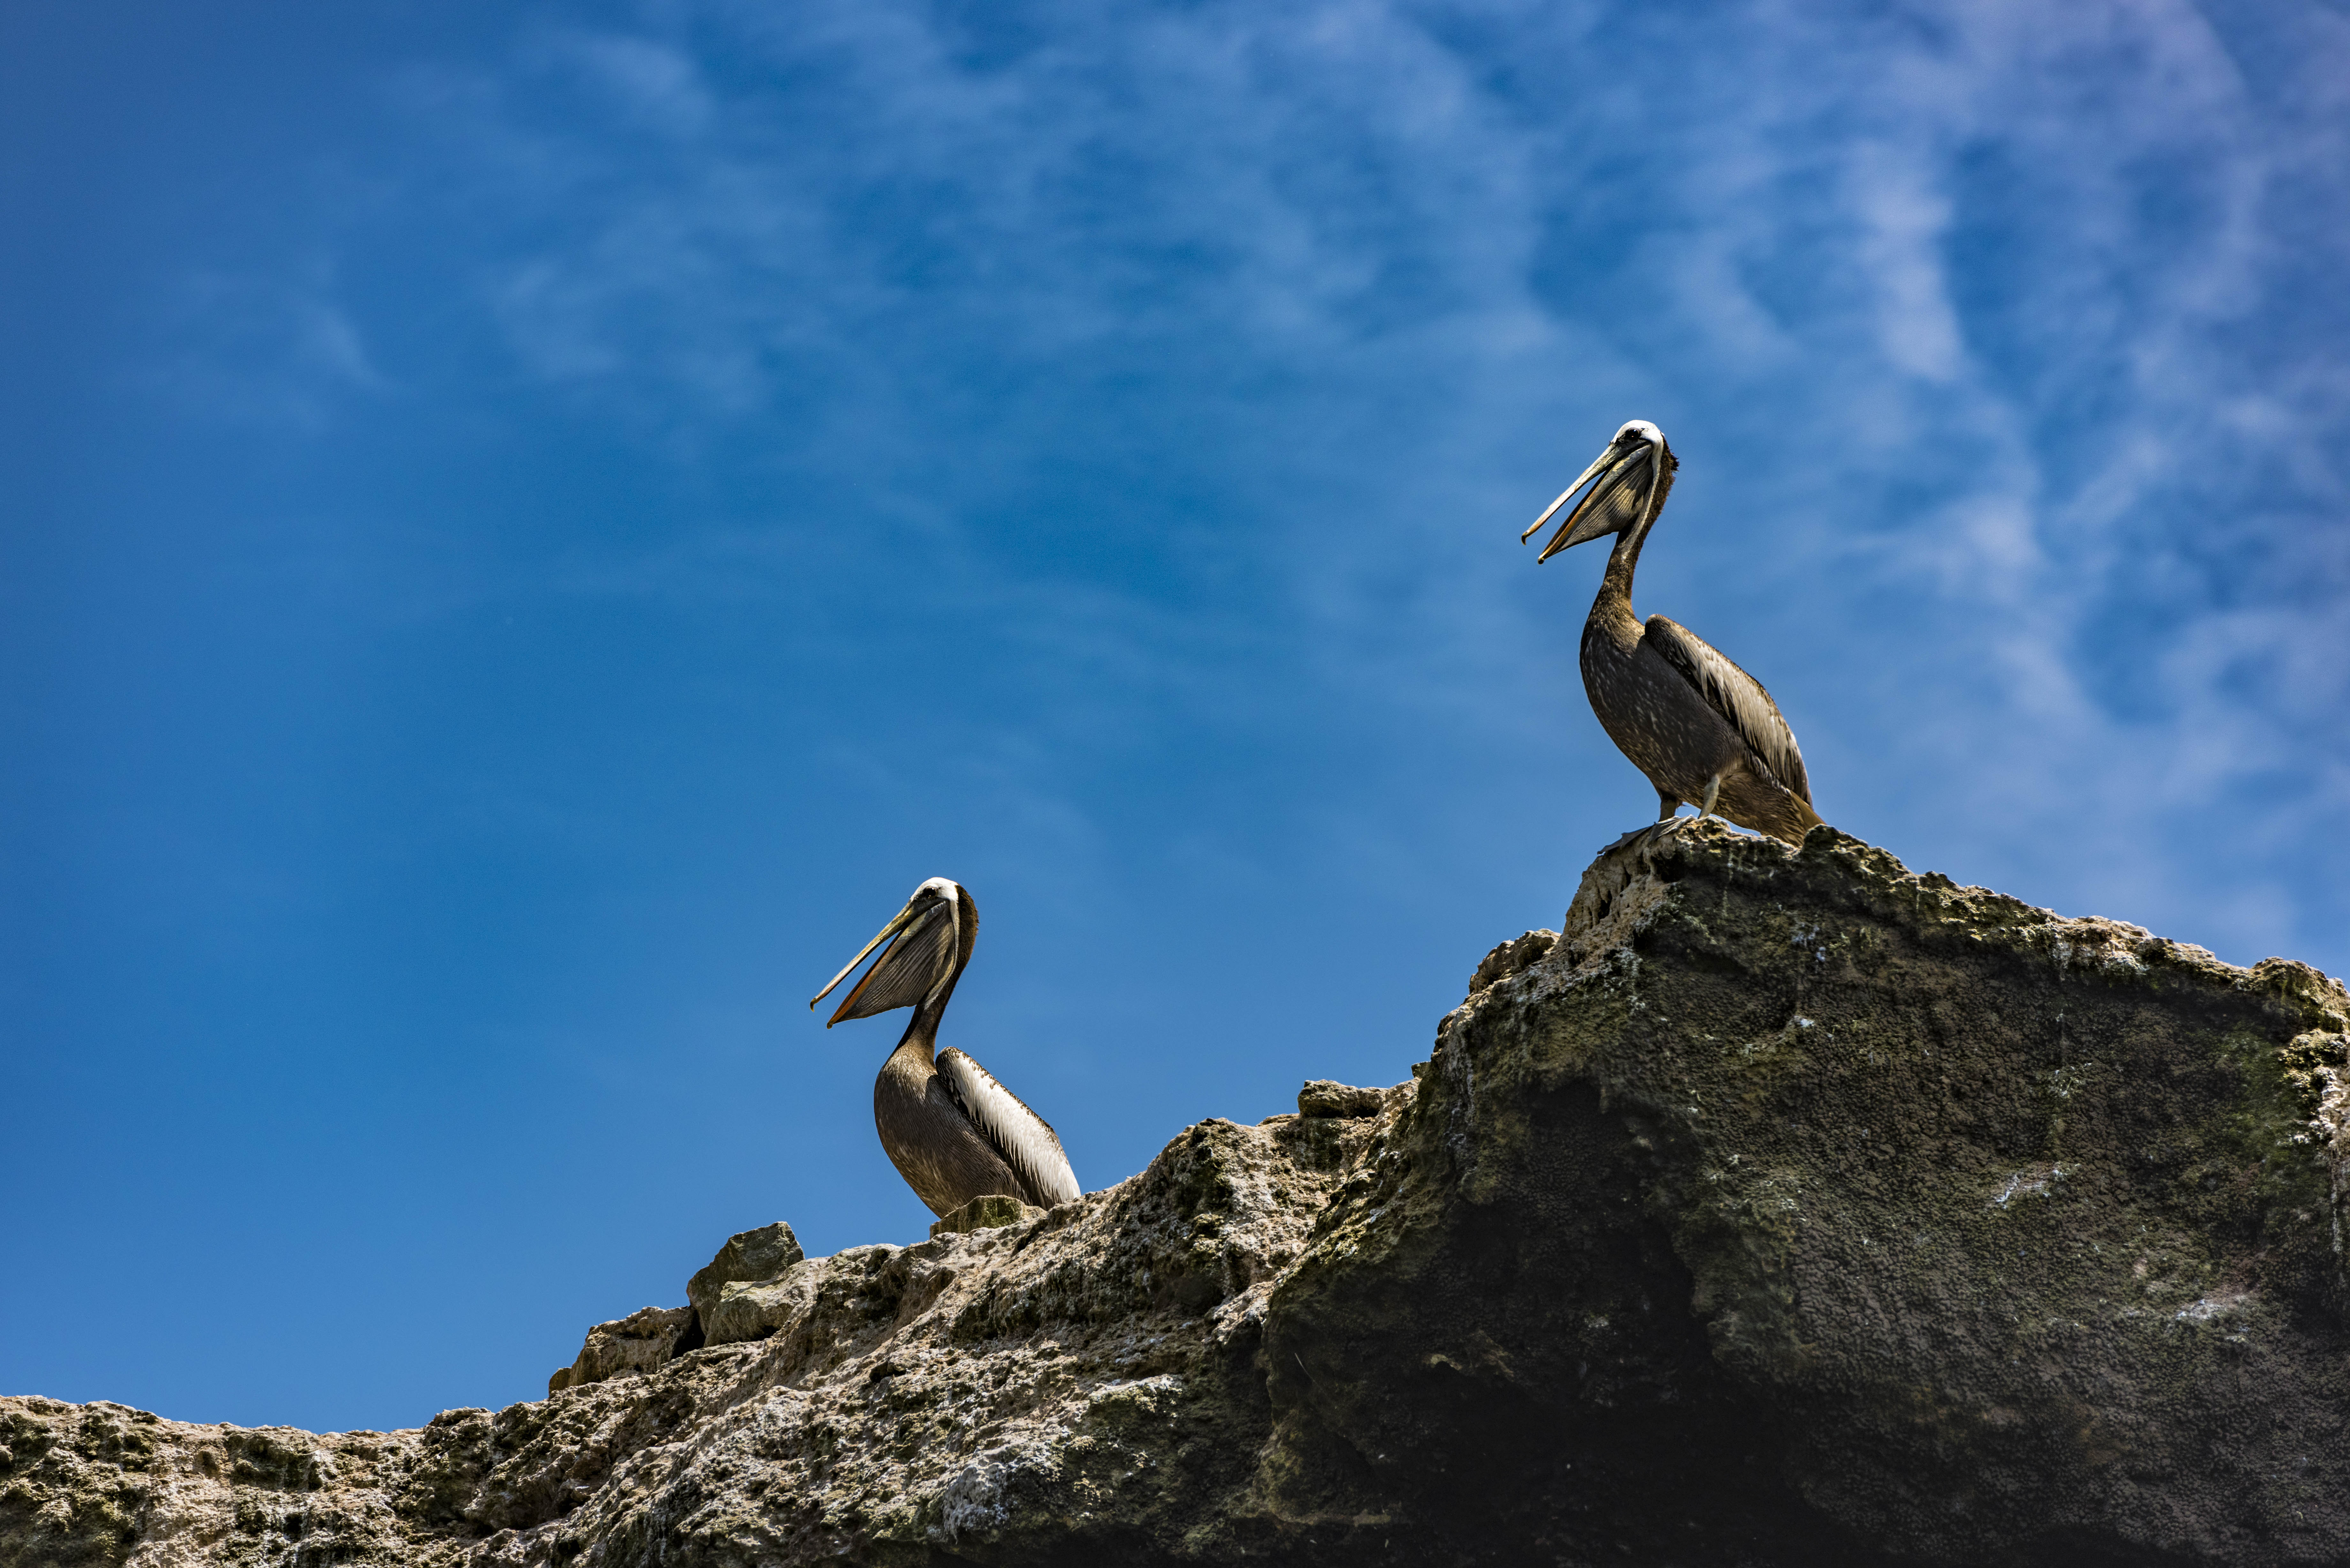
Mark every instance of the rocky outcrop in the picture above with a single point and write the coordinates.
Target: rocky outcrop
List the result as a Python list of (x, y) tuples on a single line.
[(741, 1293), (986, 1212), (765, 1253), (639, 1343), (1783, 1207), (1323, 1097)]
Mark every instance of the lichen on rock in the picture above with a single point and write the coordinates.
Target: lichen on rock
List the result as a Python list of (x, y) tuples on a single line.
[(765, 1253), (645, 1339), (1783, 1206), (986, 1212)]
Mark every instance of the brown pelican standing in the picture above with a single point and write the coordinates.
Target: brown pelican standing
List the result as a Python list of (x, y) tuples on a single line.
[(1702, 729), (952, 1130)]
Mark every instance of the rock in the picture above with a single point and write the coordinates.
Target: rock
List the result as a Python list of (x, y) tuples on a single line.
[(754, 1309), (1786, 1208), (1323, 1097), (743, 1292), (762, 1254), (637, 1343), (985, 1213), (1510, 956), (1890, 1217)]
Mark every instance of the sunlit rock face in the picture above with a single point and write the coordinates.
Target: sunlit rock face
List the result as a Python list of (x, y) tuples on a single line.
[(1783, 1207)]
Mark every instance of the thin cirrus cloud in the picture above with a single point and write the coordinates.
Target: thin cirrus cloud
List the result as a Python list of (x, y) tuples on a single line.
[(1963, 307), (265, 349)]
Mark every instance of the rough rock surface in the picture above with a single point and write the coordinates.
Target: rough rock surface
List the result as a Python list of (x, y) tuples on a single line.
[(1323, 1097), (740, 1294), (762, 1254), (645, 1339), (986, 1212), (1785, 1208)]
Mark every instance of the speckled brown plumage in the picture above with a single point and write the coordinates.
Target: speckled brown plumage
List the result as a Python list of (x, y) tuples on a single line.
[(953, 1132), (930, 1141), (1703, 729)]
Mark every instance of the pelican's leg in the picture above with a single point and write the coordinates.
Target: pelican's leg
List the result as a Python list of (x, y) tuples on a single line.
[(1667, 804)]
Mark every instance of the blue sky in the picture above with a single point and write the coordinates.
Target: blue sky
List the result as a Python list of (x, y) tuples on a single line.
[(525, 532)]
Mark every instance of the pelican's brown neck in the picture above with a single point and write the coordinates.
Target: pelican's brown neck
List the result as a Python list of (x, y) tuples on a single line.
[(921, 1035), (1622, 562)]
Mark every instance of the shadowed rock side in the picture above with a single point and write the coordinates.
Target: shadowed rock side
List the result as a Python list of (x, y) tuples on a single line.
[(1786, 1208)]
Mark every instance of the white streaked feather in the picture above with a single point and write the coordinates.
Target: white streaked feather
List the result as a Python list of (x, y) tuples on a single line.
[(1738, 697), (1023, 1138)]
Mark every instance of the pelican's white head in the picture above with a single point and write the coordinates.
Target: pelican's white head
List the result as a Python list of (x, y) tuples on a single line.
[(929, 941)]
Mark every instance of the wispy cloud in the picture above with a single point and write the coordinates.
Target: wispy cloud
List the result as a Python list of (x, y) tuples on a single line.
[(273, 349), (1986, 331)]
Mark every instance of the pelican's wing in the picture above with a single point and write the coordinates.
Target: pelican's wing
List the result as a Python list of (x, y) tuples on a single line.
[(1022, 1137), (1738, 697)]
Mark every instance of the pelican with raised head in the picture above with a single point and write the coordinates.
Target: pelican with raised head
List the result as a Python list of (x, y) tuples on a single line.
[(1703, 729), (952, 1130)]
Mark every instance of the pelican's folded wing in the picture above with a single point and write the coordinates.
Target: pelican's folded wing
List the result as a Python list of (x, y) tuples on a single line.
[(1023, 1137), (1738, 697)]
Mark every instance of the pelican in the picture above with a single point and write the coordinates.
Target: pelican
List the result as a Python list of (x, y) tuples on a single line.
[(1703, 729), (952, 1130)]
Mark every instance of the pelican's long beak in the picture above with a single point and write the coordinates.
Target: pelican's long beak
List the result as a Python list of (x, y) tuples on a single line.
[(898, 922), (1580, 480), (1621, 464)]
